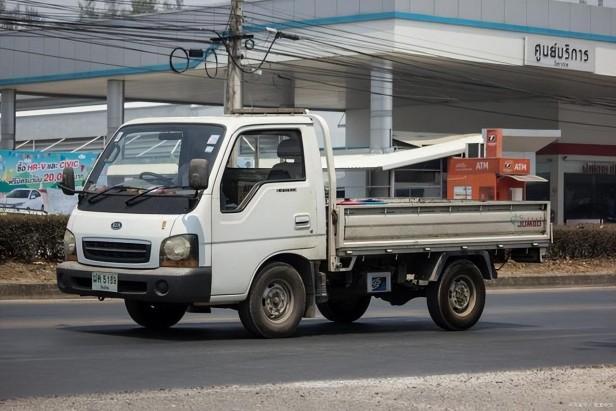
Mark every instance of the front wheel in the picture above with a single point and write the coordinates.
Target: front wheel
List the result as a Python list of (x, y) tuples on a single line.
[(275, 303), (456, 301), (155, 316), (344, 311)]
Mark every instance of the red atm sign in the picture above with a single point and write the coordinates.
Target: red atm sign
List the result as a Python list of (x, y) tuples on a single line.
[(504, 166)]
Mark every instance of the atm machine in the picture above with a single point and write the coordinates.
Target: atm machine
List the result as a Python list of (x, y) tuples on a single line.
[(489, 176)]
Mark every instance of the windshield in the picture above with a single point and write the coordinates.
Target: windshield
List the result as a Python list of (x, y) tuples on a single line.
[(150, 160), (145, 156), (18, 194)]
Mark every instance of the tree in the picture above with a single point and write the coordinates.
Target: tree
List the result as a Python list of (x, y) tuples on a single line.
[(169, 6), (15, 19), (31, 14), (3, 15), (87, 9), (143, 6), (112, 9)]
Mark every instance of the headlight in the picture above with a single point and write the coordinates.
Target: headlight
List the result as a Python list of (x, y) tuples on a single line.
[(179, 251), (70, 247), (176, 248)]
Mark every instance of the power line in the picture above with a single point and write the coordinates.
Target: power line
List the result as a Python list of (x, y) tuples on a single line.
[(101, 30)]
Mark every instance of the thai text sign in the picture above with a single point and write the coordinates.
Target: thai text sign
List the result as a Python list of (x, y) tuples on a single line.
[(28, 179), (37, 169), (606, 169), (559, 53)]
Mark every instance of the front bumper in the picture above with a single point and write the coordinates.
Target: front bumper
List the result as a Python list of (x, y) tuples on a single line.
[(185, 285)]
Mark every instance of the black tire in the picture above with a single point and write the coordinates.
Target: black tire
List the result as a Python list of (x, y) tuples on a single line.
[(155, 316), (345, 311), (451, 308), (275, 303)]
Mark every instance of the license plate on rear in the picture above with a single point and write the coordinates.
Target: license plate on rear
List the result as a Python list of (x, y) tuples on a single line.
[(105, 282)]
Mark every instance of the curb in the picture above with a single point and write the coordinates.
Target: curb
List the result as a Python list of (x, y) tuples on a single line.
[(48, 291), (28, 291), (576, 280)]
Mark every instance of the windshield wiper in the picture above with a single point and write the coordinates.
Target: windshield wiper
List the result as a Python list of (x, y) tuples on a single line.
[(135, 199), (106, 191)]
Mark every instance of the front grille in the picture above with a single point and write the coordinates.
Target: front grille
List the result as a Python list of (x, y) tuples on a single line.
[(115, 252)]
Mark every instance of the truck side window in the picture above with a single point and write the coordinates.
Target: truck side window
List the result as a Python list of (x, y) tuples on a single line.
[(258, 158)]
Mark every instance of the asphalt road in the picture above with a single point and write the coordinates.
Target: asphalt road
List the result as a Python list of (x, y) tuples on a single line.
[(73, 347)]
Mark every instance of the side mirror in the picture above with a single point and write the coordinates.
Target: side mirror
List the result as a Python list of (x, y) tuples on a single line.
[(198, 173), (68, 181)]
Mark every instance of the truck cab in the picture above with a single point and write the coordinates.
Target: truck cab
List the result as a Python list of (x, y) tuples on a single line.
[(141, 232)]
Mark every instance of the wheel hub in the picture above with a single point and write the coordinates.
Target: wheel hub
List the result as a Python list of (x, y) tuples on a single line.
[(277, 300), (460, 295)]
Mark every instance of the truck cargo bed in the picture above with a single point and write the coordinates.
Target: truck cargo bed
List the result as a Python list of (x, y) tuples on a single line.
[(404, 227)]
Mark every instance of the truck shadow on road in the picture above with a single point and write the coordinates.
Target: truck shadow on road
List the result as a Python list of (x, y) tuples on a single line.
[(599, 345), (213, 331)]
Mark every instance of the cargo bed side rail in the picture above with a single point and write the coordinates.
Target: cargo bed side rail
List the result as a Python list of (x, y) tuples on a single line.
[(441, 226)]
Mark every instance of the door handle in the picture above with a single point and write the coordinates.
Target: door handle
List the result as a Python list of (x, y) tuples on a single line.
[(302, 221)]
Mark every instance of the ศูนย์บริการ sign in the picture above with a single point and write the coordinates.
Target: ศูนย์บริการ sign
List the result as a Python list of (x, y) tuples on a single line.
[(28, 179), (559, 53)]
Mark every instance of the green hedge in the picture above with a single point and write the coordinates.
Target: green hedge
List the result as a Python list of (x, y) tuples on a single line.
[(585, 242), (39, 237), (26, 237)]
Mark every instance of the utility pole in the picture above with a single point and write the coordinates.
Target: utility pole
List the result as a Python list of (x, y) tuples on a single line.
[(233, 90)]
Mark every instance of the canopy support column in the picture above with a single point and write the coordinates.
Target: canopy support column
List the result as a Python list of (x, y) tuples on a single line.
[(8, 120), (381, 123), (115, 106)]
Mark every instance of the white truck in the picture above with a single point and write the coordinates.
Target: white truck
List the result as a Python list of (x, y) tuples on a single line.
[(235, 211)]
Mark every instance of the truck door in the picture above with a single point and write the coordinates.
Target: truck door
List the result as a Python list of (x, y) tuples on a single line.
[(263, 203)]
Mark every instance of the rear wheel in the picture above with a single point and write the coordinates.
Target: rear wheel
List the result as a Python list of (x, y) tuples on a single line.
[(456, 301), (275, 303), (344, 311), (155, 316)]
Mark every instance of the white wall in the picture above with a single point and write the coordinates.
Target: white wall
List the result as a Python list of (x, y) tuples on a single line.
[(521, 114), (354, 182), (587, 134), (579, 124), (358, 128)]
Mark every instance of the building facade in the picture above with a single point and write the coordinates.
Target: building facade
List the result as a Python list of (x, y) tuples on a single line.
[(445, 67)]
